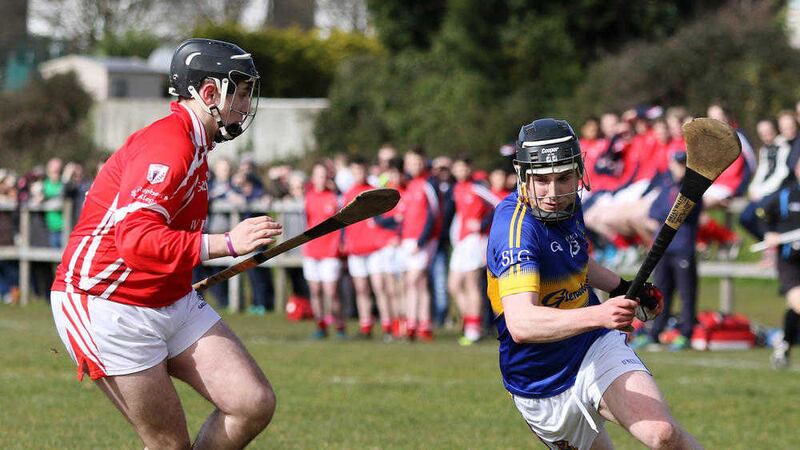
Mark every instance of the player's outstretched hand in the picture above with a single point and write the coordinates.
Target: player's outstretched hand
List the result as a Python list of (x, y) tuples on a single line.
[(253, 233), (617, 313)]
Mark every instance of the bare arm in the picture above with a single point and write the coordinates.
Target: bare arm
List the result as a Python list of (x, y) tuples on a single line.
[(528, 322), (601, 278)]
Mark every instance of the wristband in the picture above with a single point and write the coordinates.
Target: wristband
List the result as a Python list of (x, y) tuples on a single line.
[(230, 245), (621, 289)]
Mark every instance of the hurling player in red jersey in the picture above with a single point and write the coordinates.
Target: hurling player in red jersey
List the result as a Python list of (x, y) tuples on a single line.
[(363, 242), (321, 263), (123, 301)]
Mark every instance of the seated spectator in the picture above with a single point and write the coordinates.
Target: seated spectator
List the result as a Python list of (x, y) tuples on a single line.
[(772, 174)]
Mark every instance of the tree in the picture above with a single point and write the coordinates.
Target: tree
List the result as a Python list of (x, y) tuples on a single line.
[(407, 24), (49, 118)]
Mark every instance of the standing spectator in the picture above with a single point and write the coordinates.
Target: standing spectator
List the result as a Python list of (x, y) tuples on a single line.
[(443, 181), (497, 183), (362, 245), (772, 173), (9, 269), (221, 193), (76, 185), (294, 224), (474, 207), (392, 268), (321, 263), (341, 173), (782, 214), (422, 225), (53, 189), (677, 269), (248, 184)]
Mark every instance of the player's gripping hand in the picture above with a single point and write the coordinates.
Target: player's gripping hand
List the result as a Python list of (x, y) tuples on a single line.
[(650, 299), (651, 302), (617, 313), (253, 233)]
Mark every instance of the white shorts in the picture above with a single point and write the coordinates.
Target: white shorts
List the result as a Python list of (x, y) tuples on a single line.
[(571, 418), (362, 266), (391, 260), (419, 260), (110, 338), (323, 270), (469, 253)]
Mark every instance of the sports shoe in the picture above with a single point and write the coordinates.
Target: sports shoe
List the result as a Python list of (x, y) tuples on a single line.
[(780, 355), (256, 310), (465, 341), (341, 335), (679, 343), (319, 334), (641, 341)]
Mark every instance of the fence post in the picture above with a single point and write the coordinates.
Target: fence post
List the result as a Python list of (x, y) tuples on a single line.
[(234, 283), (24, 254)]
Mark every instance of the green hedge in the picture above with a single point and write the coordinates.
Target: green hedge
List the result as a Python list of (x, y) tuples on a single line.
[(294, 63)]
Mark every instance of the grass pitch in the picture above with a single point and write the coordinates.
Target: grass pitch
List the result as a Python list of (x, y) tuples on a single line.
[(371, 395)]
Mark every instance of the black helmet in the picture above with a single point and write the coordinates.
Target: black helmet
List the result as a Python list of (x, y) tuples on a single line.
[(547, 146), (196, 60)]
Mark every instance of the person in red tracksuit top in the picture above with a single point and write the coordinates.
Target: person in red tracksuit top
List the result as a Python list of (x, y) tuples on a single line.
[(470, 231), (363, 242), (321, 263), (123, 302), (422, 223)]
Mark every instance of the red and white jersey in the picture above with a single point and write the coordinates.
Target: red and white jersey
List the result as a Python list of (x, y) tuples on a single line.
[(386, 236), (139, 234), (319, 206), (361, 238), (474, 202), (420, 209)]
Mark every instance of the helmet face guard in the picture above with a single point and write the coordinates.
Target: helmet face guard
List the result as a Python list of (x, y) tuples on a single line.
[(197, 60), (548, 148)]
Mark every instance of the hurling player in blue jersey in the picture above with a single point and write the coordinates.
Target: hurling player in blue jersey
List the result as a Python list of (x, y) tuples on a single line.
[(563, 357)]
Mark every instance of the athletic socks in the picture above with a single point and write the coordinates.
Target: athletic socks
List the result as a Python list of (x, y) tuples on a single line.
[(472, 327), (790, 324)]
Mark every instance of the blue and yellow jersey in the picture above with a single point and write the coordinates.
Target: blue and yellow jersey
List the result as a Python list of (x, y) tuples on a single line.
[(550, 258)]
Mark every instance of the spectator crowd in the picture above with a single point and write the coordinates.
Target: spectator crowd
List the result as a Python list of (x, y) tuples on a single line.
[(421, 266)]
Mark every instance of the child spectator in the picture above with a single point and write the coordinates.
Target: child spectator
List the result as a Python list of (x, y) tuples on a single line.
[(321, 264)]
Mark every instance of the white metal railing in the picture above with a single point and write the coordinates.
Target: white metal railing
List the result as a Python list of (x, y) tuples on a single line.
[(26, 253)]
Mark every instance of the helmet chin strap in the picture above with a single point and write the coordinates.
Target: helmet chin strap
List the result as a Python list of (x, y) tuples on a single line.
[(224, 132)]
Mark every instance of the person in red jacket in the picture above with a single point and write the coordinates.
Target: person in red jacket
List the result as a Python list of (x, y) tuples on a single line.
[(474, 207), (321, 263), (123, 302), (363, 242), (422, 223)]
